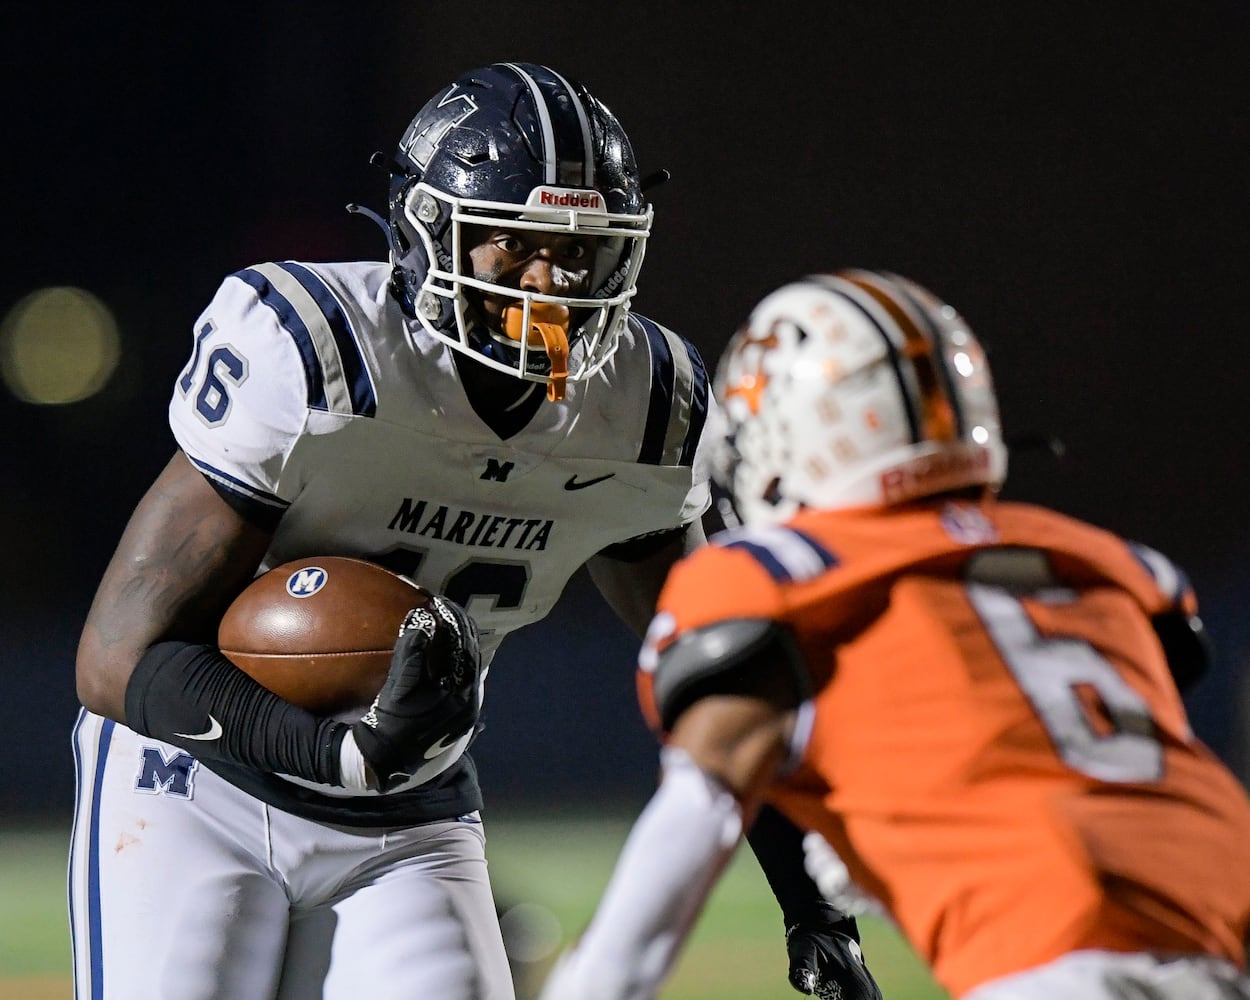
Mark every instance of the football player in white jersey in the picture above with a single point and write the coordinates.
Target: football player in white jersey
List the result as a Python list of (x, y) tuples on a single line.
[(482, 413)]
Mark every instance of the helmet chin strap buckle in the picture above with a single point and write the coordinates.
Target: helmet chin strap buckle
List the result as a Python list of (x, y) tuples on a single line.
[(548, 326)]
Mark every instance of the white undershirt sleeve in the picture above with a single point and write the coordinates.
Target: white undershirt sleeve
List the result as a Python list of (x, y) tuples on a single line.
[(673, 856)]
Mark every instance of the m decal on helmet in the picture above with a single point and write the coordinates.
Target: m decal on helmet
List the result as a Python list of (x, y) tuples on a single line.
[(421, 139)]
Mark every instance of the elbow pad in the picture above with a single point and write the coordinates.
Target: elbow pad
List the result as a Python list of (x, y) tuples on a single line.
[(721, 658)]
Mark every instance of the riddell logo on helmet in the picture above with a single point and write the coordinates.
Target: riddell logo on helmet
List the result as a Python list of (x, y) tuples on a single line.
[(566, 198), (935, 473)]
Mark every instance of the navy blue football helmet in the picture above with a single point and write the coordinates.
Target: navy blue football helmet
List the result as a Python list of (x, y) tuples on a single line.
[(519, 146)]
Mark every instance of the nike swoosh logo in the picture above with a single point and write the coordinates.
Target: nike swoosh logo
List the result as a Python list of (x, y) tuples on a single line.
[(442, 746), (211, 733), (573, 484)]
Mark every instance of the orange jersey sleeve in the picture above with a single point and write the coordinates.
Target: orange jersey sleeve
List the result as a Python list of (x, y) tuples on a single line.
[(999, 752)]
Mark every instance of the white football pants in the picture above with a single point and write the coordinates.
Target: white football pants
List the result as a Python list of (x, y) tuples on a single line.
[(183, 887)]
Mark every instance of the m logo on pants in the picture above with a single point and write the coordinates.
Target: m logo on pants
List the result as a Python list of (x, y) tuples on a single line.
[(158, 776)]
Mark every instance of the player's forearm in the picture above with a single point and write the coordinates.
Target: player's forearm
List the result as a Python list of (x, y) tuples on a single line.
[(675, 852)]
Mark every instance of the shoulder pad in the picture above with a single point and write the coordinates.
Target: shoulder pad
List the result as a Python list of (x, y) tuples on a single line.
[(717, 658)]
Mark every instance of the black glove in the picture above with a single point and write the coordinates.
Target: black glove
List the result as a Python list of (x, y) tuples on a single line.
[(825, 959), (430, 697)]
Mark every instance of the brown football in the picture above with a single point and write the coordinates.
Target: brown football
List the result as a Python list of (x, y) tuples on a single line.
[(320, 631)]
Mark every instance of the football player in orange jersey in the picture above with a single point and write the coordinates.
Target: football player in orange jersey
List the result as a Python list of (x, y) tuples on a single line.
[(975, 703)]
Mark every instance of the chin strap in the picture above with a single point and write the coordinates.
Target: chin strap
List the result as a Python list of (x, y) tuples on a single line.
[(372, 216), (545, 324)]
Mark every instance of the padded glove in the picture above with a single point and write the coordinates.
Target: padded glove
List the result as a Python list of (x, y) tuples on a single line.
[(826, 961), (431, 695)]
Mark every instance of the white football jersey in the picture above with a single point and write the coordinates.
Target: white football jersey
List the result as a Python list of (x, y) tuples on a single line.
[(311, 396)]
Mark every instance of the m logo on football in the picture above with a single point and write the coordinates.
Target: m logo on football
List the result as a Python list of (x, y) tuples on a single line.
[(306, 581)]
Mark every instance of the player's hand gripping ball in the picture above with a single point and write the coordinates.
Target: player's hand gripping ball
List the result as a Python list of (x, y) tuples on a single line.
[(320, 632), (427, 711)]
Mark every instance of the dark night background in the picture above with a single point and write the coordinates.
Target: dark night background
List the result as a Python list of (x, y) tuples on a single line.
[(1073, 177)]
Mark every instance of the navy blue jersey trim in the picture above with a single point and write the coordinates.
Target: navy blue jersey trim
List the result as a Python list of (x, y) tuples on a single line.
[(827, 559), (698, 405), (773, 557), (764, 556), (238, 487), (1177, 589), (291, 322), (364, 402), (660, 408)]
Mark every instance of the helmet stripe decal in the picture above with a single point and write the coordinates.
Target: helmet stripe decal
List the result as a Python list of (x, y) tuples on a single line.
[(904, 289), (556, 165), (544, 122), (588, 148), (937, 411), (854, 295)]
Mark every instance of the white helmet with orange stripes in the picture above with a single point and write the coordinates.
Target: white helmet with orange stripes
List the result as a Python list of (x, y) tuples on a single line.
[(852, 389)]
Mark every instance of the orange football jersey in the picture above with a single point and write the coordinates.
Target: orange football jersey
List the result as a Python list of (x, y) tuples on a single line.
[(998, 753)]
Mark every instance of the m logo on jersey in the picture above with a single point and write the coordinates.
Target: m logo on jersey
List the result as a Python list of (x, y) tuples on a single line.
[(158, 776), (497, 470), (306, 581)]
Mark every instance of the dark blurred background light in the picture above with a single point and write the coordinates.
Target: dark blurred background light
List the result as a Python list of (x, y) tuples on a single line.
[(58, 345)]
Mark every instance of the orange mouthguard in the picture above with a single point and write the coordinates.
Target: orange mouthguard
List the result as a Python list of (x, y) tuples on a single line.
[(549, 326)]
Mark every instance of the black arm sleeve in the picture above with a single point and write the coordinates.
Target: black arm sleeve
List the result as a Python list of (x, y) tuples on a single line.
[(778, 847), (179, 688)]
